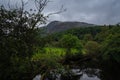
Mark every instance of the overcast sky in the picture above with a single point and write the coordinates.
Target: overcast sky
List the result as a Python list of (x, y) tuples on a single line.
[(91, 11)]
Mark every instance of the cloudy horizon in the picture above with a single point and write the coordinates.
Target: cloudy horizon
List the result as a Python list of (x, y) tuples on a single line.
[(90, 11)]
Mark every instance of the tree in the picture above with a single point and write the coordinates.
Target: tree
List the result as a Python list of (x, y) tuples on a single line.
[(110, 55), (102, 35), (88, 37), (111, 48), (92, 47), (69, 41), (18, 29)]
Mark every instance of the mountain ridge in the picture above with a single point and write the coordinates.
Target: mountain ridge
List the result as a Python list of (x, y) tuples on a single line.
[(57, 26)]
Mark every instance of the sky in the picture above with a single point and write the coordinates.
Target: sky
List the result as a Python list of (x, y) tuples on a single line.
[(90, 11)]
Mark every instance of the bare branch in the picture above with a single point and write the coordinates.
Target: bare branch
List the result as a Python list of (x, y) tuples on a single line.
[(58, 12), (22, 7), (9, 4), (40, 5), (25, 3)]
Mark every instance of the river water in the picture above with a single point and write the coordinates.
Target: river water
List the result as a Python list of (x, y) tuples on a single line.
[(85, 74)]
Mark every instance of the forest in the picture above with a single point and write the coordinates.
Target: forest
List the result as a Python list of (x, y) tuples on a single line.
[(26, 50)]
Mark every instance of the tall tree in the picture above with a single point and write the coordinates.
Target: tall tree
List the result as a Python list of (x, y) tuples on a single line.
[(69, 41), (111, 48), (92, 48), (18, 29)]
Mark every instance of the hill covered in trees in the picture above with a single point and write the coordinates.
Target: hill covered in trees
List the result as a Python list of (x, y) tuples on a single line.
[(57, 26)]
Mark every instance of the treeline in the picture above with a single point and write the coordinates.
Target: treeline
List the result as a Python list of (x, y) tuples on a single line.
[(106, 37)]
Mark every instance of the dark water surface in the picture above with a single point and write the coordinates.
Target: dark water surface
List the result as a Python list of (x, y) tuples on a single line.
[(85, 74)]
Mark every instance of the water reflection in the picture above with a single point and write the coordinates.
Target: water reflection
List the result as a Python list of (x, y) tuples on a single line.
[(86, 77), (37, 77), (77, 74)]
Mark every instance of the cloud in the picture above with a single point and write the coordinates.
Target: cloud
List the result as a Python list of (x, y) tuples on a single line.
[(91, 11)]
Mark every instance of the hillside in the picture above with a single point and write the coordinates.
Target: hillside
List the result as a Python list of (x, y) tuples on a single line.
[(57, 26)]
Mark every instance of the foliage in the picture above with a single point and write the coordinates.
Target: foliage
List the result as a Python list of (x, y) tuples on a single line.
[(88, 37), (111, 47), (92, 48), (69, 41), (18, 34), (100, 37), (48, 61)]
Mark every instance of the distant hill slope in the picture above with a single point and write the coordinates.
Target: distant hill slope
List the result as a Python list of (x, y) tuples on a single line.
[(57, 26)]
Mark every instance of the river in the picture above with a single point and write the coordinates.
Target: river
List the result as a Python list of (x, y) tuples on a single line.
[(85, 74)]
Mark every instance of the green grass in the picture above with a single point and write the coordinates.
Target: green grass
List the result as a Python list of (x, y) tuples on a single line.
[(52, 52), (49, 53), (84, 52)]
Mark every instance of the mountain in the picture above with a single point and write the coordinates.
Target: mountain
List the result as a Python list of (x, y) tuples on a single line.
[(57, 26)]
